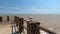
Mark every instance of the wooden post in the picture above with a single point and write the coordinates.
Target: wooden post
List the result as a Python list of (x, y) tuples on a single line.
[(33, 28), (17, 20), (21, 24), (7, 18), (0, 19)]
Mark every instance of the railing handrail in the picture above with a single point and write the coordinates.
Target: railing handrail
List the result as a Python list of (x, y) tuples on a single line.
[(46, 30)]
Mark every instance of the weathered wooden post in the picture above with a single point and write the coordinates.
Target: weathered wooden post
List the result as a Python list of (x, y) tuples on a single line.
[(0, 18), (15, 17), (17, 20), (17, 23), (33, 27), (21, 25), (7, 18)]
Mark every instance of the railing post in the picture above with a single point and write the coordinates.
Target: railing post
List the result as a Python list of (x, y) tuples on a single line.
[(33, 28), (7, 18), (17, 20), (21, 24), (0, 19)]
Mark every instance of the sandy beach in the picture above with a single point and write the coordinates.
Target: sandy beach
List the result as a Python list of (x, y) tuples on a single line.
[(5, 28)]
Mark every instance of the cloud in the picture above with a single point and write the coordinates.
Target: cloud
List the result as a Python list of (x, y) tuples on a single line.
[(14, 10), (34, 10), (22, 9)]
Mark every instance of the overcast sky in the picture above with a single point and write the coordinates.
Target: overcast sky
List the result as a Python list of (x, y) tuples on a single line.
[(29, 6)]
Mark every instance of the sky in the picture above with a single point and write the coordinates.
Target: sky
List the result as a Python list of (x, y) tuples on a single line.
[(29, 6)]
